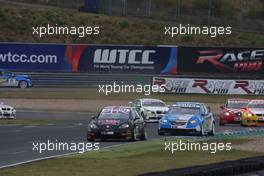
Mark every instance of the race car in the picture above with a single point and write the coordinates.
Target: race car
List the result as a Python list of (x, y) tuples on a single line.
[(8, 79), (150, 109), (7, 112), (117, 122), (191, 117), (253, 114), (232, 111)]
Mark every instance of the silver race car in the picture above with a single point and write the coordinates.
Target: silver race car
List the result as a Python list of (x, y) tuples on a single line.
[(7, 112)]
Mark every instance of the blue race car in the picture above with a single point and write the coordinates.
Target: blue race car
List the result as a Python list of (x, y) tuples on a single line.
[(187, 117), (8, 79)]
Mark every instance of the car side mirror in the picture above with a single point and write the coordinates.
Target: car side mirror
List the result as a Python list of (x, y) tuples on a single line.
[(130, 104), (94, 117), (209, 109), (222, 107)]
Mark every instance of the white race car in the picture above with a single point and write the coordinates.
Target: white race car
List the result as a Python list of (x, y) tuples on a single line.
[(150, 109), (7, 112)]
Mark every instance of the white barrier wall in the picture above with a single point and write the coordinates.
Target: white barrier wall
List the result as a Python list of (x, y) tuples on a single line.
[(210, 86)]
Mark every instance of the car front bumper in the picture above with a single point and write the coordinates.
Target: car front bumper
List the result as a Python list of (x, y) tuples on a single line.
[(252, 121), (151, 117), (99, 134), (180, 128), (7, 115)]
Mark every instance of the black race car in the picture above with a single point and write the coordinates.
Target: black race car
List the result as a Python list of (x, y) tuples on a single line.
[(117, 122)]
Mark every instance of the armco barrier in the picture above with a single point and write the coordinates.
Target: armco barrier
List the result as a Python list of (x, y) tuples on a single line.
[(210, 86), (43, 79)]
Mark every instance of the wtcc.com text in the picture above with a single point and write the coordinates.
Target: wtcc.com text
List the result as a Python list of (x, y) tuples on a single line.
[(53, 146), (211, 147), (80, 31), (24, 58), (126, 88)]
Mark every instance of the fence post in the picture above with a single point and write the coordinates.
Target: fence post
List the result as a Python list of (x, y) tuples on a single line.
[(149, 8), (209, 11), (178, 8), (124, 7)]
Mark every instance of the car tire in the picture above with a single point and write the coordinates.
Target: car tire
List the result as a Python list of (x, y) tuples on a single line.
[(161, 132), (212, 132), (242, 124), (22, 84), (144, 136), (90, 139), (133, 137), (221, 124), (202, 133)]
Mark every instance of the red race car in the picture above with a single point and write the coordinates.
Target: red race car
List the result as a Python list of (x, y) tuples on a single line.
[(232, 111)]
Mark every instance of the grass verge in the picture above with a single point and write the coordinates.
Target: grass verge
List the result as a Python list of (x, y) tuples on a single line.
[(29, 122), (132, 159)]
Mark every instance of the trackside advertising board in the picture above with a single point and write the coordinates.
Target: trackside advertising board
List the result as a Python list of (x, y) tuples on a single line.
[(89, 58), (33, 57), (210, 86), (225, 60)]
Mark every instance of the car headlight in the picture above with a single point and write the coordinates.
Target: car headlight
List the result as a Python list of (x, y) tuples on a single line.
[(227, 113), (249, 114), (193, 122), (93, 126), (149, 112), (164, 121), (125, 125)]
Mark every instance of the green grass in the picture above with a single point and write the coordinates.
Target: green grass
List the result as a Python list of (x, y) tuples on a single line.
[(92, 94), (29, 122), (132, 159), (17, 22)]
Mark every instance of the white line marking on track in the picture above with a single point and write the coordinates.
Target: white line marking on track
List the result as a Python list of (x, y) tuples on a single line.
[(14, 153), (50, 157)]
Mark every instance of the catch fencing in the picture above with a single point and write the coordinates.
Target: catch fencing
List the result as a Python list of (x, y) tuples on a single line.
[(244, 15)]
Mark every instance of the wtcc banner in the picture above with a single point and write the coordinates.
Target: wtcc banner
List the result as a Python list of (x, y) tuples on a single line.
[(34, 57), (210, 86), (215, 60), (89, 58), (126, 59)]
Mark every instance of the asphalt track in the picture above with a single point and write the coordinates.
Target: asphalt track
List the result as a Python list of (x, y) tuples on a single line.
[(16, 144)]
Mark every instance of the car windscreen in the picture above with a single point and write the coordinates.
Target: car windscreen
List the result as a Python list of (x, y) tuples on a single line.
[(236, 104), (114, 114), (184, 110), (153, 103), (256, 105)]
